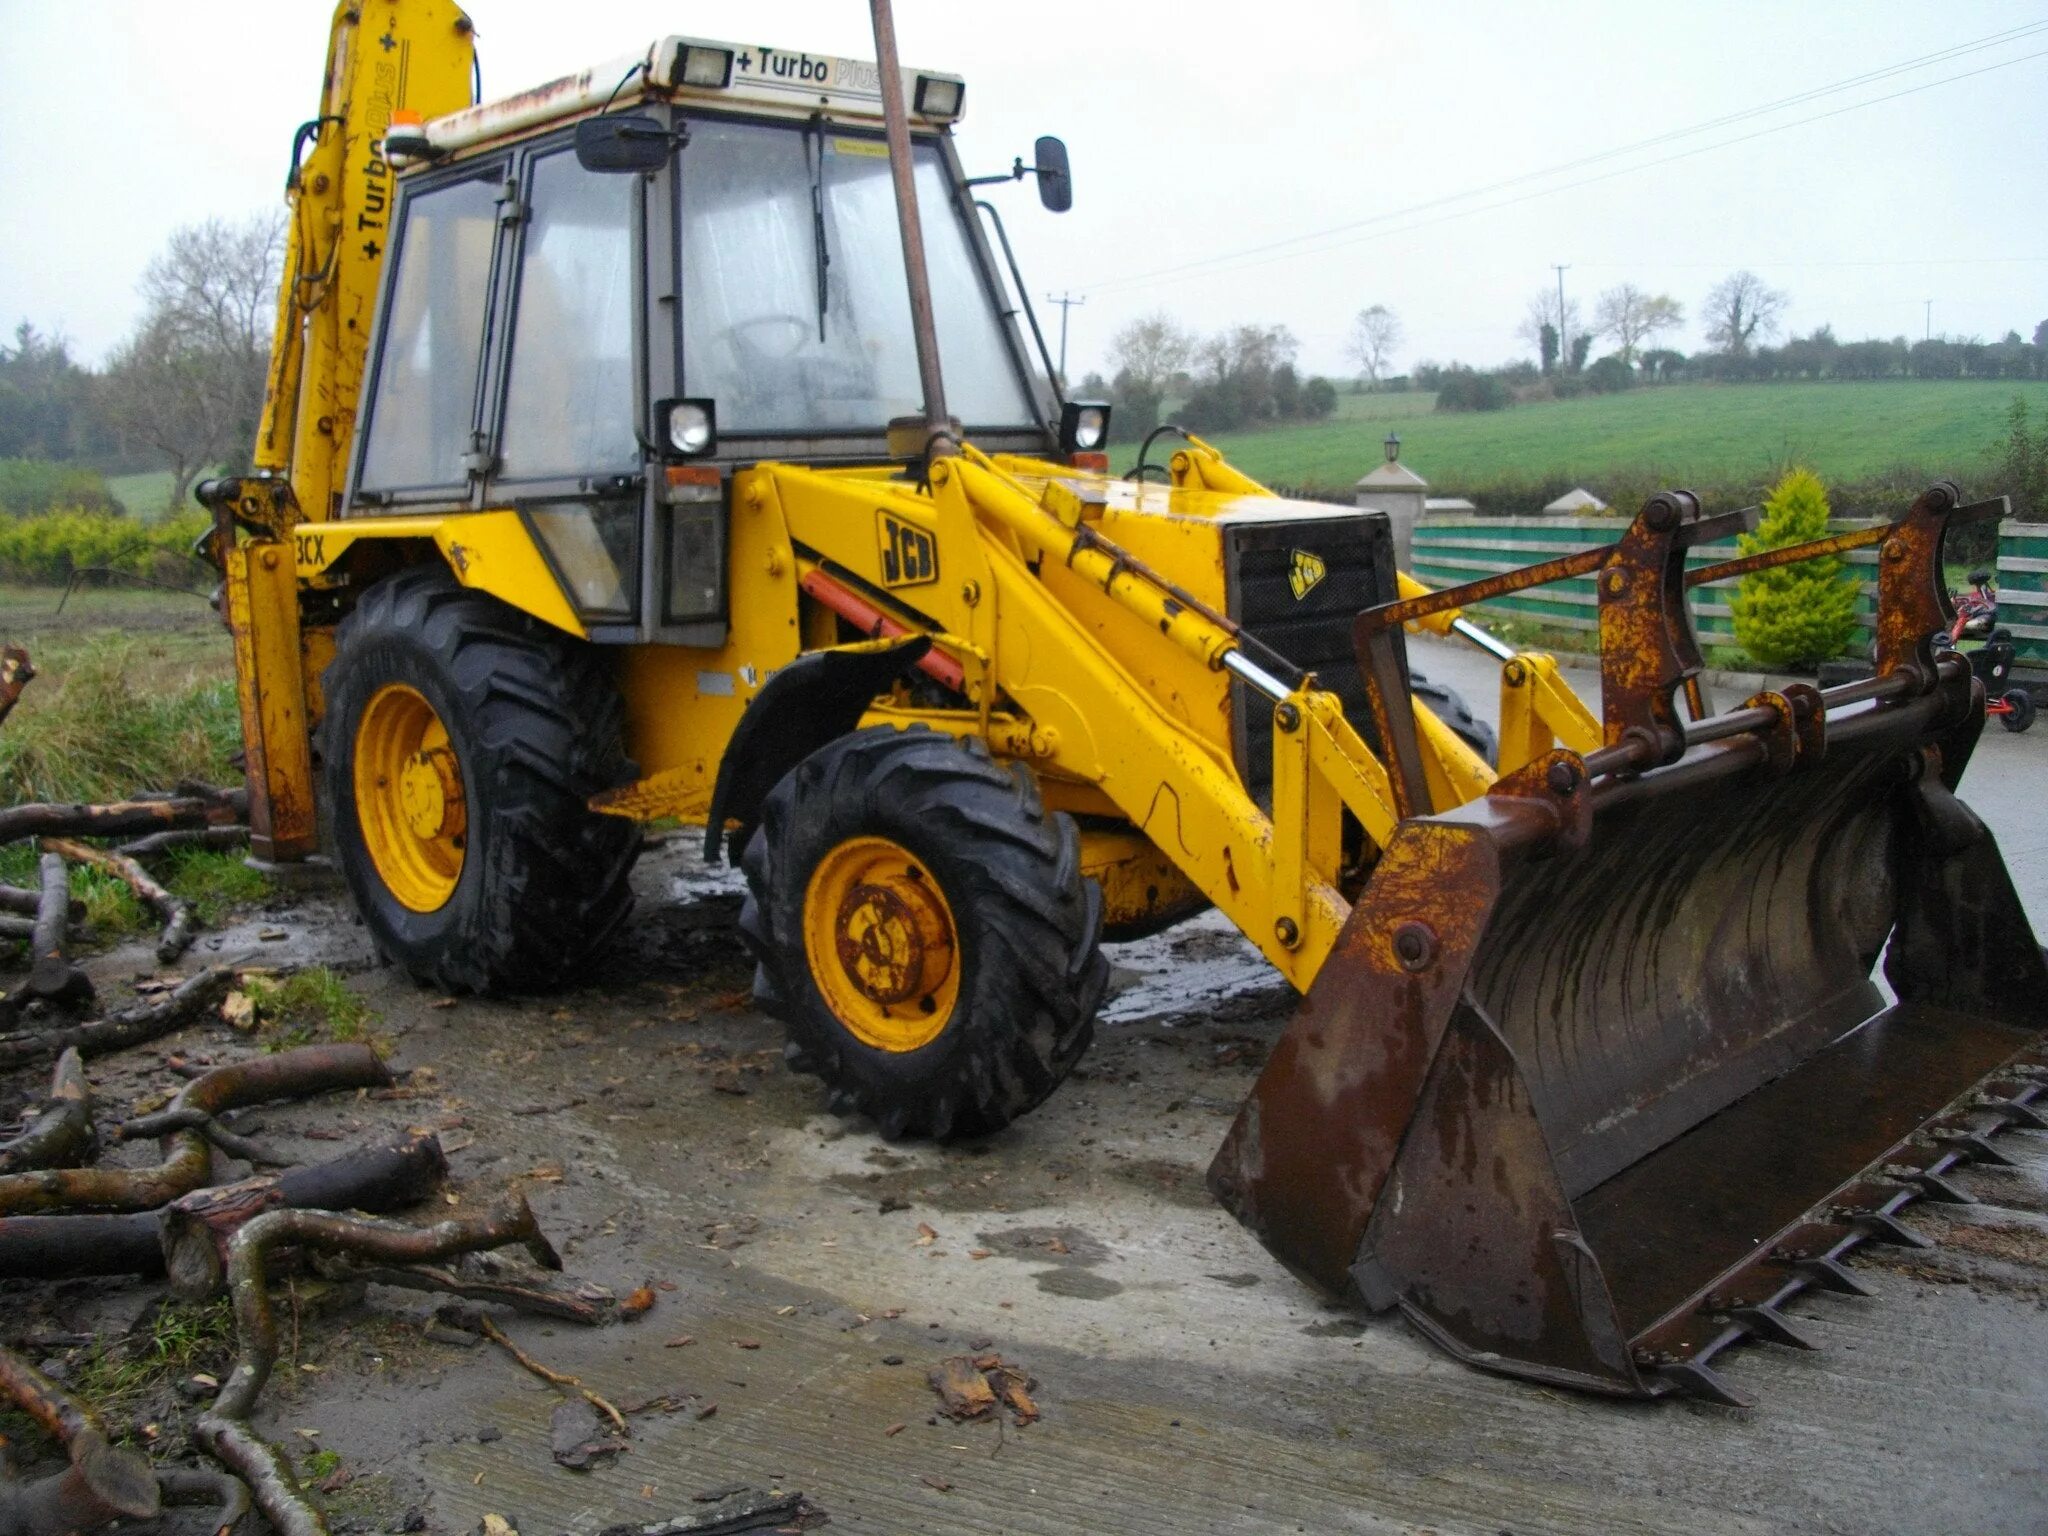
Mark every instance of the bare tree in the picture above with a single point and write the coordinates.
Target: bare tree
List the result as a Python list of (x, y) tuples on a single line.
[(1149, 351), (1742, 308), (189, 382), (1633, 317), (1374, 335), (1543, 311)]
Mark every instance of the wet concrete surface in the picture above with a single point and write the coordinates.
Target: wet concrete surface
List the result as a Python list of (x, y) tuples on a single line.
[(1187, 1382)]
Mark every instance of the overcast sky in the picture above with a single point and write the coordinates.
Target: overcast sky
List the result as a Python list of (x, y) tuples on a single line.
[(1204, 131)]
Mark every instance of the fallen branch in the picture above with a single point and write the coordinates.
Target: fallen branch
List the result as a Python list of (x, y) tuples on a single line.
[(492, 1332), (229, 1495), (117, 1031), (539, 1297), (12, 927), (198, 1229), (144, 1242), (187, 1159), (121, 818), (748, 1510), (103, 1483), (185, 837), (175, 914), (52, 976), (14, 898), (16, 673), (223, 1431), (164, 1121), (60, 1135)]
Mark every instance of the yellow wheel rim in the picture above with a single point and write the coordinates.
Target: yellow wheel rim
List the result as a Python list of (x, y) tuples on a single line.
[(409, 798), (882, 944)]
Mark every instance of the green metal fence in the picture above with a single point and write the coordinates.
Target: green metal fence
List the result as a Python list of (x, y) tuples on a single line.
[(2023, 587), (1451, 548)]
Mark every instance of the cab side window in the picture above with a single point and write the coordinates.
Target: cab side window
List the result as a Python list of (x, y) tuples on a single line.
[(423, 409), (569, 388)]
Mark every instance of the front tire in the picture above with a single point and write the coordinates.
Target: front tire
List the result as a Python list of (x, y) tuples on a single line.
[(462, 741), (923, 930)]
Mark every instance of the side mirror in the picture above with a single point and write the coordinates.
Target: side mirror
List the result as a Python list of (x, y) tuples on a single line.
[(627, 142), (1055, 181)]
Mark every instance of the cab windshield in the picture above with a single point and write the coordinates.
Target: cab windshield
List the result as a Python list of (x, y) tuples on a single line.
[(796, 318)]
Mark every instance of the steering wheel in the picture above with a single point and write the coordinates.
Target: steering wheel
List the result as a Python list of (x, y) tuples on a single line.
[(796, 328)]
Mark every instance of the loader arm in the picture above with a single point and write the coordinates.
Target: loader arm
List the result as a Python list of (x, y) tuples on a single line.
[(383, 57)]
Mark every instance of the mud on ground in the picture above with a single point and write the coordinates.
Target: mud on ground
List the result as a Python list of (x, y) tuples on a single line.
[(807, 1275)]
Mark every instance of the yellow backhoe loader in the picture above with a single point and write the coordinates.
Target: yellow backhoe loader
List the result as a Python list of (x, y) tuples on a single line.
[(609, 474)]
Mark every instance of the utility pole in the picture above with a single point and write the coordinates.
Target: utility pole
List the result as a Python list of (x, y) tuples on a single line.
[(1928, 333), (1066, 301), (1564, 340)]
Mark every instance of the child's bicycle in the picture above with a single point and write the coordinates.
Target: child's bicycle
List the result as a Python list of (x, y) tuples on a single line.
[(1977, 619)]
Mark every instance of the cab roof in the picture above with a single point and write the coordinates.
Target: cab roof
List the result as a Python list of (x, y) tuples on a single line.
[(711, 72)]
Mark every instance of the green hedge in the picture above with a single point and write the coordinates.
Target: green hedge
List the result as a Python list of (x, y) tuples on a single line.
[(30, 486), (48, 547)]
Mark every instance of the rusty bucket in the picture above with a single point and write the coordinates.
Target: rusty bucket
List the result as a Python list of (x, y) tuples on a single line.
[(1601, 1072)]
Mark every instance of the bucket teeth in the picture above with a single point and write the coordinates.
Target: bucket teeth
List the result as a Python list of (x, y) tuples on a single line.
[(2014, 1111), (1767, 1323), (1695, 1378), (1973, 1145), (1829, 1274), (1931, 1185), (1883, 1227)]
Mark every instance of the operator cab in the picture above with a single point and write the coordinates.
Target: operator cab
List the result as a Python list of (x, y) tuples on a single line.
[(592, 318)]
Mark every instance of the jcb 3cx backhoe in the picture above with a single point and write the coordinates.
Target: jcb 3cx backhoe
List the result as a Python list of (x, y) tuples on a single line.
[(608, 474)]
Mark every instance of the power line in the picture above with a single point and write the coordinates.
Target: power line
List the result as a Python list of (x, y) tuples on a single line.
[(1232, 260)]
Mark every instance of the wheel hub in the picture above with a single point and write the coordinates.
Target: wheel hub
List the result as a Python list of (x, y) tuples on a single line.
[(882, 944), (409, 799), (430, 790)]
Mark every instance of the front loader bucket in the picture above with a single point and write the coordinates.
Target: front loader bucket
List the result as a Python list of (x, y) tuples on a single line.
[(1598, 1077)]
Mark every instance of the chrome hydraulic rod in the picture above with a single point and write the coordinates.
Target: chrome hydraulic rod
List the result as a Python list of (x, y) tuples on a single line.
[(1499, 649)]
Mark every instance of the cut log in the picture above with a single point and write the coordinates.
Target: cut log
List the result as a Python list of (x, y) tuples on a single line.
[(15, 675), (197, 1228), (60, 1135), (52, 976), (121, 818), (136, 1243), (173, 912), (12, 927), (133, 1025), (104, 1483)]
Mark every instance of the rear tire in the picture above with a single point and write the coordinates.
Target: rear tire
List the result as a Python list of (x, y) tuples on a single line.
[(1449, 706), (992, 932), (2022, 711), (519, 881)]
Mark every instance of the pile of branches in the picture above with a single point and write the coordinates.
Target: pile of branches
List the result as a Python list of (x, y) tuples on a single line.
[(152, 824), (63, 1213)]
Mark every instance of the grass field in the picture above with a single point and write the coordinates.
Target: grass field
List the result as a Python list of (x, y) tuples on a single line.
[(1688, 434)]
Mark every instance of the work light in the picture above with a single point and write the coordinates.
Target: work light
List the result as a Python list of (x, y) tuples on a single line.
[(709, 68), (1084, 426), (938, 99), (692, 427)]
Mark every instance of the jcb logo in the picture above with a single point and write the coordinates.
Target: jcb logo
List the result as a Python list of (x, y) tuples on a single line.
[(909, 557), (312, 548), (1304, 572)]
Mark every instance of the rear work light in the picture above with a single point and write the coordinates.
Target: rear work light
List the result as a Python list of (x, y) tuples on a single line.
[(705, 68), (406, 138)]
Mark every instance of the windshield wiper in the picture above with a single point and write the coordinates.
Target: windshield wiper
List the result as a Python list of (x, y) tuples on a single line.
[(815, 131)]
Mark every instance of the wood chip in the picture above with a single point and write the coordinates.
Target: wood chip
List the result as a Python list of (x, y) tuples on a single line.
[(935, 1482), (895, 1429), (637, 1301), (680, 1341), (926, 1234), (746, 1343)]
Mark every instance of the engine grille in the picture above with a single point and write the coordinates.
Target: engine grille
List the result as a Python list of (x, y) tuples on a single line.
[(1313, 630)]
